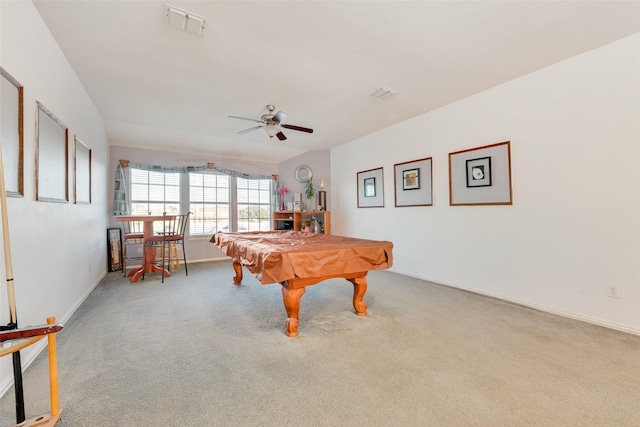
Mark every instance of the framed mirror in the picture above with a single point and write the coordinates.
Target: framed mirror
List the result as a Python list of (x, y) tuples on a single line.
[(52, 157), (12, 133), (82, 173)]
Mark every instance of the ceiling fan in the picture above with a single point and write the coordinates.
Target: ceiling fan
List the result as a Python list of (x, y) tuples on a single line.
[(271, 123)]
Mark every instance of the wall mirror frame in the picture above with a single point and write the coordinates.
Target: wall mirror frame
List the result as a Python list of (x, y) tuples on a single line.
[(12, 133), (52, 157), (82, 172)]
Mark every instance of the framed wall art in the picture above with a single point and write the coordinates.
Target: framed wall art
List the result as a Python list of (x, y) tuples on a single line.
[(12, 133), (413, 183), (481, 176), (370, 188), (52, 157), (82, 175), (114, 249), (411, 179), (479, 172)]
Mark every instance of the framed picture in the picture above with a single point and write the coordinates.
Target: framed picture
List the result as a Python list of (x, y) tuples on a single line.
[(370, 188), (12, 133), (479, 172), (481, 176), (52, 157), (82, 168), (411, 179), (413, 183), (114, 246)]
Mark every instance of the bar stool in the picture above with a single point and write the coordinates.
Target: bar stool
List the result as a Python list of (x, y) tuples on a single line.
[(174, 227), (132, 234)]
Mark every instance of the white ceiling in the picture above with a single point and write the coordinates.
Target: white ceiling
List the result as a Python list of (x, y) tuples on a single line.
[(158, 87)]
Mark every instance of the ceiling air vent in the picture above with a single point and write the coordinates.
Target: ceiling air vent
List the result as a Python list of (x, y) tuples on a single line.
[(384, 93), (183, 20)]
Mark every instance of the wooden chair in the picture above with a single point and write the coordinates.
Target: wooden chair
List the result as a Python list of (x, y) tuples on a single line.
[(166, 242), (132, 234)]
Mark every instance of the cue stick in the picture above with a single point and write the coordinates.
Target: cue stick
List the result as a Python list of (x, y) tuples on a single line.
[(13, 317), (29, 331)]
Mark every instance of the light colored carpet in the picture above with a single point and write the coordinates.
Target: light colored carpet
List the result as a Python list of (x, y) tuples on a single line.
[(199, 351)]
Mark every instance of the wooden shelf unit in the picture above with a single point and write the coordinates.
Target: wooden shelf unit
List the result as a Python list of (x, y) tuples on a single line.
[(291, 220)]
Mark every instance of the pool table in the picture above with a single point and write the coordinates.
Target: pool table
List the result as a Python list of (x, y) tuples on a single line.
[(296, 260)]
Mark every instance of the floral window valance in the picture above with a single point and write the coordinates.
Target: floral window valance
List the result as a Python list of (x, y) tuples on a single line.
[(121, 205)]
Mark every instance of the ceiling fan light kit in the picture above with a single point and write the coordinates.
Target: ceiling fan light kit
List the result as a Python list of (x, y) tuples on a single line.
[(271, 130), (271, 123)]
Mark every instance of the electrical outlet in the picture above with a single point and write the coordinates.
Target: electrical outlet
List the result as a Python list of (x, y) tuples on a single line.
[(613, 291)]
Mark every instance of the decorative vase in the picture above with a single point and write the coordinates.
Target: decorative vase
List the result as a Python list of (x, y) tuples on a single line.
[(282, 206), (322, 200)]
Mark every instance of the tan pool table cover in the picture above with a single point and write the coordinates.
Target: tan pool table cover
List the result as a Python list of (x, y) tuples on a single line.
[(277, 256)]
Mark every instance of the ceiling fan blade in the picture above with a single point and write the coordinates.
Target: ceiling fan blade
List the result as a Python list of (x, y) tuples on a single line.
[(242, 132), (300, 128), (281, 136), (245, 118), (279, 116)]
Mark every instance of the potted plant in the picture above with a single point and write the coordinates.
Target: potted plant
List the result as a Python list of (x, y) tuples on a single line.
[(310, 191)]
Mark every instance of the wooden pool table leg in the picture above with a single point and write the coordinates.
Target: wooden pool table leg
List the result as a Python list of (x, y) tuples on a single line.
[(291, 298), (359, 289), (237, 267)]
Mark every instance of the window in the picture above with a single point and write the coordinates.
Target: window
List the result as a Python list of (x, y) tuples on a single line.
[(253, 204), (209, 202), (153, 193), (217, 202)]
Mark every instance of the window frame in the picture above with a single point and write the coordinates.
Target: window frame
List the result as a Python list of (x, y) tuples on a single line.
[(194, 231), (171, 207), (264, 223), (184, 187)]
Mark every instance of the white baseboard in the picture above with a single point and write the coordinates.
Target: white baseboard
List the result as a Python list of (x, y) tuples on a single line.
[(190, 261), (42, 344), (588, 319), (223, 258)]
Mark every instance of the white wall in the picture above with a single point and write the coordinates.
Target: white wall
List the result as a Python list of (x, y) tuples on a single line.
[(574, 225), (320, 164), (58, 249)]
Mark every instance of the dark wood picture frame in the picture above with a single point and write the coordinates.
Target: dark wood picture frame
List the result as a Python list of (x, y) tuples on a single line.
[(370, 188), (499, 192), (419, 193)]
